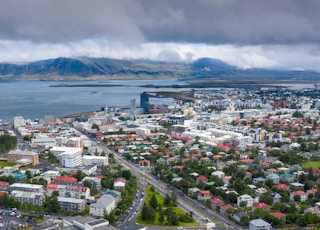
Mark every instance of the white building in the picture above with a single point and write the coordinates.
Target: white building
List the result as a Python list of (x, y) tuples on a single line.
[(105, 205), (44, 140), (95, 160), (245, 198), (68, 157), (18, 121)]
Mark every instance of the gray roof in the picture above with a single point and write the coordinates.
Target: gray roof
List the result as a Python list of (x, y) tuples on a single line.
[(104, 201), (259, 222)]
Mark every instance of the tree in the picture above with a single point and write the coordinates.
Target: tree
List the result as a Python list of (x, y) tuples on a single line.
[(95, 126), (153, 202), (147, 213), (174, 198), (126, 174), (52, 205), (167, 201)]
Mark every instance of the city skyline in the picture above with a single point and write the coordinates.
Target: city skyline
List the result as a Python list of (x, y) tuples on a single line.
[(247, 34)]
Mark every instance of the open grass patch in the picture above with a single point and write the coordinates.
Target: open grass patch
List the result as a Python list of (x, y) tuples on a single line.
[(163, 212), (5, 164), (311, 164)]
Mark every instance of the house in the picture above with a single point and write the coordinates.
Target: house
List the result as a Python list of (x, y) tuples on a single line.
[(202, 179), (104, 205), (279, 215), (204, 195), (224, 209), (4, 185), (216, 202), (245, 198), (282, 187), (259, 224), (274, 177), (276, 197), (303, 195), (119, 184), (260, 205), (115, 194)]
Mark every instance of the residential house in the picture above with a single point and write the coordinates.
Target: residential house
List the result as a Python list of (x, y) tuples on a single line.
[(245, 198), (216, 202), (66, 180), (224, 209), (259, 224), (303, 195), (279, 215), (204, 195), (119, 184), (202, 179)]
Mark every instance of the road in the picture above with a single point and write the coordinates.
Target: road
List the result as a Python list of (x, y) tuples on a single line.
[(199, 211)]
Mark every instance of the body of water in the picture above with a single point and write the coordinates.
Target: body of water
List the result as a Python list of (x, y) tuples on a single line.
[(35, 99)]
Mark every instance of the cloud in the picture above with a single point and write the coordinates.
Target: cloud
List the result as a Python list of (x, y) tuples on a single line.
[(205, 21), (246, 33)]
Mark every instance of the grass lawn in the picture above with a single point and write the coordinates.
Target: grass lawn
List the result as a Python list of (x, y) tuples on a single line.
[(311, 164), (5, 163), (160, 200)]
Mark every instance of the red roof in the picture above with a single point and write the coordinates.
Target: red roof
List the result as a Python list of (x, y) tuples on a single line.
[(67, 179), (278, 214), (2, 193), (225, 207), (202, 178), (299, 193), (261, 205), (204, 193), (52, 187), (282, 186), (4, 183), (216, 201), (246, 161), (100, 176)]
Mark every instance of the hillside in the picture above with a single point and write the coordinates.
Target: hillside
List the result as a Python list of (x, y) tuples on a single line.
[(85, 68)]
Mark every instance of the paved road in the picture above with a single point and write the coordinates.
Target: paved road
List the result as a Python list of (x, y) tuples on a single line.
[(200, 212)]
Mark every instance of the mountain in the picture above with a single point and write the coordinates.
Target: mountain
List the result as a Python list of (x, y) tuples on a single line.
[(100, 68)]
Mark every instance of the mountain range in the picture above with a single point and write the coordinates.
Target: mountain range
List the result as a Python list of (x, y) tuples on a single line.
[(99, 68)]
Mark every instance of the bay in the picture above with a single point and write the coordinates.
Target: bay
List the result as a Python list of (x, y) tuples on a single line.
[(35, 99)]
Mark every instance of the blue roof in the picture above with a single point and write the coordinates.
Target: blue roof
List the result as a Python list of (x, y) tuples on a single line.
[(273, 176)]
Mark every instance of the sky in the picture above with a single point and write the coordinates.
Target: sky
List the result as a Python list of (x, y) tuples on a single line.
[(280, 34)]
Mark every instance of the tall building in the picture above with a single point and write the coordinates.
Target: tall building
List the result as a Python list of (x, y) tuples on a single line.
[(133, 106), (144, 102)]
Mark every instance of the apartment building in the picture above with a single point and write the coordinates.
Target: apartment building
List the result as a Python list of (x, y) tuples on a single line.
[(105, 205), (72, 204), (34, 198), (95, 160), (26, 187)]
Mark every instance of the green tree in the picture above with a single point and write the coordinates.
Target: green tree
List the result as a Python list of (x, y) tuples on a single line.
[(167, 201), (52, 205), (153, 202)]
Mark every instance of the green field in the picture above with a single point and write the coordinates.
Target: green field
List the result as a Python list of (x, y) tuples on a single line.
[(160, 200), (5, 163), (311, 164)]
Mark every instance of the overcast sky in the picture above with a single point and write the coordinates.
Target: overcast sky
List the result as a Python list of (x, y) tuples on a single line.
[(245, 33)]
